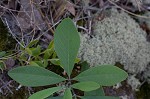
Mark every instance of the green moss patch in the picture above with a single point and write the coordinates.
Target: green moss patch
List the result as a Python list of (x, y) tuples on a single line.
[(6, 41)]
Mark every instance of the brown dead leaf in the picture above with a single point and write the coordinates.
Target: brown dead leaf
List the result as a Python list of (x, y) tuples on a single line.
[(70, 7), (59, 9), (30, 16), (23, 21)]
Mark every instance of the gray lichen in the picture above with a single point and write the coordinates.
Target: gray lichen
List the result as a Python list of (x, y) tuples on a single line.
[(134, 82), (147, 74), (117, 38)]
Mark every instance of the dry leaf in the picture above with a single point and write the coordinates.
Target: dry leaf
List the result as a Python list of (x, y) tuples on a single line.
[(59, 9), (70, 7), (30, 16)]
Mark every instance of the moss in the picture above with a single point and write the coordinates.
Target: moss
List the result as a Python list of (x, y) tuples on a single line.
[(144, 92), (3, 36), (6, 41)]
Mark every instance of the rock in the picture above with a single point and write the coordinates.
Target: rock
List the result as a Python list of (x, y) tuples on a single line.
[(10, 63), (117, 38)]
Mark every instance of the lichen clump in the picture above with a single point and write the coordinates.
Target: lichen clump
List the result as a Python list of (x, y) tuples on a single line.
[(117, 38)]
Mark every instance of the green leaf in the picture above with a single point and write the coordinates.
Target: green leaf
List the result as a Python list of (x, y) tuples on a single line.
[(34, 42), (97, 92), (50, 50), (48, 53), (54, 97), (34, 76), (44, 93), (105, 75), (77, 60), (57, 61), (23, 56), (68, 94), (42, 63), (45, 61), (36, 63), (2, 53), (2, 65), (51, 45), (54, 55), (84, 66), (66, 44), (86, 86), (34, 51), (99, 97)]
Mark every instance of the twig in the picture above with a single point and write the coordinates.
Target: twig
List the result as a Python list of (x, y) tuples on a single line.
[(48, 29), (18, 24), (5, 84), (12, 55), (80, 27), (90, 23), (128, 11), (13, 34), (138, 5)]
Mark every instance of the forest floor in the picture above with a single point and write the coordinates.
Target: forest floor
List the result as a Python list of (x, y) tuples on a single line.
[(23, 21)]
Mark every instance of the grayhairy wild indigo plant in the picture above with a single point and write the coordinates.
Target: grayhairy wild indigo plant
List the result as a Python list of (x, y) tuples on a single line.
[(66, 45)]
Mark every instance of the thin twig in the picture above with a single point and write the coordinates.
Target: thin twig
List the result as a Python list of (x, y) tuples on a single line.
[(13, 34), (128, 11), (138, 4), (5, 84)]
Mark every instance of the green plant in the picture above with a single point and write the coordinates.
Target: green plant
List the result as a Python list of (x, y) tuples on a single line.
[(2, 64), (66, 44), (33, 55)]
